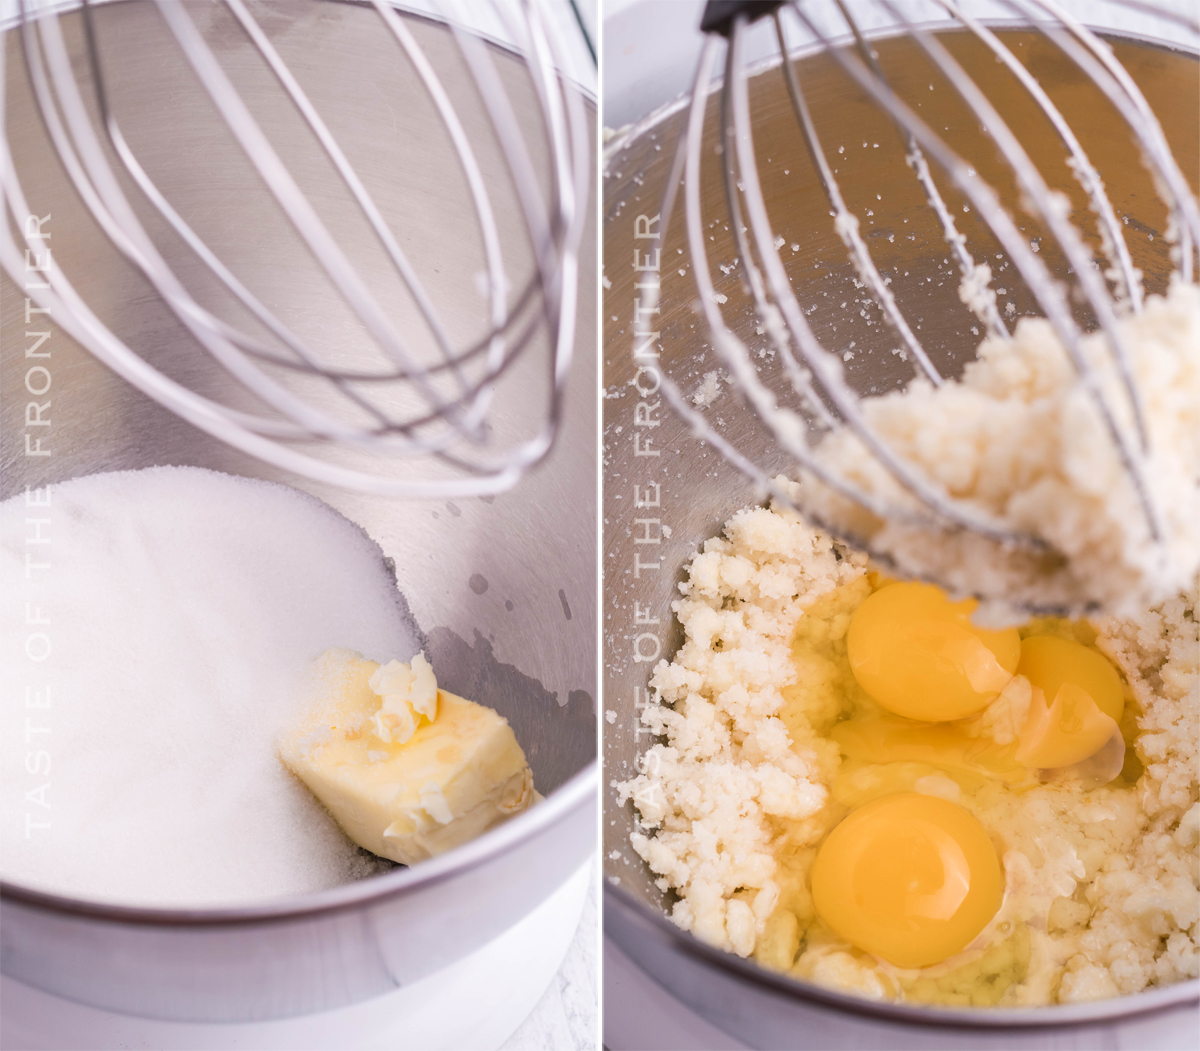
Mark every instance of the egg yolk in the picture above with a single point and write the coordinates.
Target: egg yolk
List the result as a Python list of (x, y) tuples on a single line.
[(909, 877), (1076, 704), (918, 654), (945, 745)]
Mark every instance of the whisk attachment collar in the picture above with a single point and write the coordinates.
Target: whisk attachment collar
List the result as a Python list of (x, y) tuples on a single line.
[(719, 15)]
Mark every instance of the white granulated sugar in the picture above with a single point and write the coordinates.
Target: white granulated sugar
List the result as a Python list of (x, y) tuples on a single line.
[(184, 608), (1018, 440)]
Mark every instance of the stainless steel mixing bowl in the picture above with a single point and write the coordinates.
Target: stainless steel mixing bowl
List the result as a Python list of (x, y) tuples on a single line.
[(503, 589), (665, 494)]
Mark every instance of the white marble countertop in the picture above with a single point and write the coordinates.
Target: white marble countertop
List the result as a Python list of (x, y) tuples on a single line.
[(567, 1017)]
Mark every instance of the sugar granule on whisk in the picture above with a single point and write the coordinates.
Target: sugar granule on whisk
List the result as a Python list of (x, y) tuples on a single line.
[(184, 607)]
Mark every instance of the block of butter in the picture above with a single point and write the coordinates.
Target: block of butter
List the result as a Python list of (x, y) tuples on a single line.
[(408, 771)]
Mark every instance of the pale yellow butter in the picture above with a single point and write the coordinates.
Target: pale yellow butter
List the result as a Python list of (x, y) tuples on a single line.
[(456, 774)]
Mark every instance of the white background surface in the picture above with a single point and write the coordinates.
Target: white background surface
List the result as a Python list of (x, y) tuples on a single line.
[(567, 1018)]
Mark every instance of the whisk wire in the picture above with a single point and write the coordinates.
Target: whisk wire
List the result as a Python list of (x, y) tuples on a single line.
[(307, 360), (220, 339), (1143, 123), (291, 198), (799, 377), (243, 341), (973, 289), (979, 296), (827, 367), (1112, 239), (786, 425), (846, 223), (94, 179), (1051, 209), (364, 200)]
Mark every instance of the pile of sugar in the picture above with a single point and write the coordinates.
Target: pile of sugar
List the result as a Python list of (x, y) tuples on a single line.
[(1018, 440), (184, 607), (1104, 886)]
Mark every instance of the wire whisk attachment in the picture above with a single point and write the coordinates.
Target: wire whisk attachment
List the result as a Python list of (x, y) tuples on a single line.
[(407, 396), (1072, 496)]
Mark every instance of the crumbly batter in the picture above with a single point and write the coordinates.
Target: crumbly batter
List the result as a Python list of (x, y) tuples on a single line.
[(1102, 894), (1019, 440)]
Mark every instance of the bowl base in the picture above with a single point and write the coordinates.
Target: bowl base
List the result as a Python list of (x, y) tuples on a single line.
[(477, 1002)]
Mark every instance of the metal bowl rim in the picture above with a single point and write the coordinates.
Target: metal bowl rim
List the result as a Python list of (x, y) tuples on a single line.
[(58, 8), (630, 133), (1050, 1016), (573, 794)]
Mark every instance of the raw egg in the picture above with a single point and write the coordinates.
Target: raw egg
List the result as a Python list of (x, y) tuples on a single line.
[(918, 654), (1076, 704), (947, 746), (909, 877)]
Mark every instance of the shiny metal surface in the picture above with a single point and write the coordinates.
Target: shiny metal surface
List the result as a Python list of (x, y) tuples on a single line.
[(666, 493), (502, 589)]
